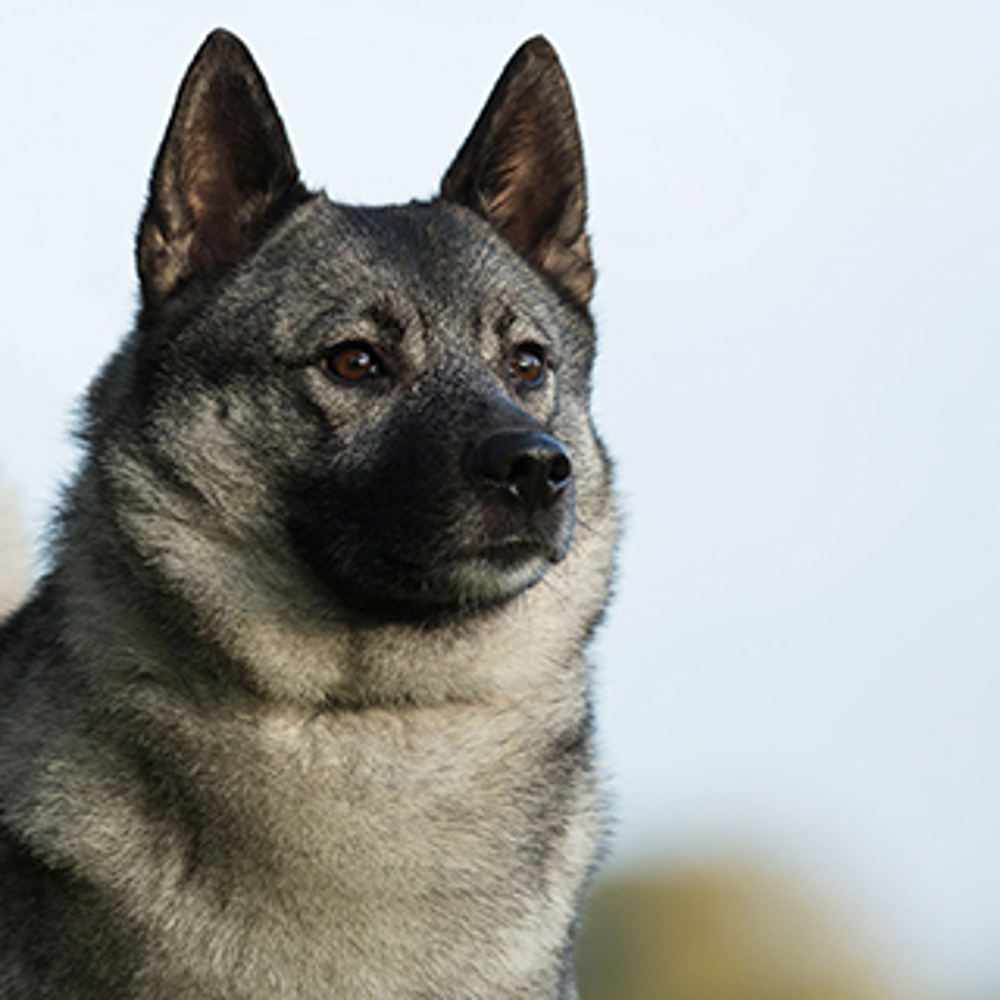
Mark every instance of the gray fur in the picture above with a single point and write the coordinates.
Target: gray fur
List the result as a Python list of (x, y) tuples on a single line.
[(292, 715)]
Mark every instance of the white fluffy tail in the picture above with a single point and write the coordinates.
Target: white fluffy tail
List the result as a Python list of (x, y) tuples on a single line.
[(15, 569)]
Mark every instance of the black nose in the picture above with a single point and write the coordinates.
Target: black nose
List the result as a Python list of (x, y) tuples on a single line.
[(532, 468)]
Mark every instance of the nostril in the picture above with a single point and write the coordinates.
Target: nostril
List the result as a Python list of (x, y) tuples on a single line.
[(560, 470)]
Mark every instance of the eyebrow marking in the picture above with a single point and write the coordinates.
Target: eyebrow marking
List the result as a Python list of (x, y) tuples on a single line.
[(387, 323), (505, 321)]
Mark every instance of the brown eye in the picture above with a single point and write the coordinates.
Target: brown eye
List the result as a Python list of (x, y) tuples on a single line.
[(528, 365), (353, 362)]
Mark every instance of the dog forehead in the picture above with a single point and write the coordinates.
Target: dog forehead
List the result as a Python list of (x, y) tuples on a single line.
[(433, 255), (428, 274)]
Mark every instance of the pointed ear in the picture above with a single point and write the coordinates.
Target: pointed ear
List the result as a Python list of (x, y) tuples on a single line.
[(522, 168), (224, 173)]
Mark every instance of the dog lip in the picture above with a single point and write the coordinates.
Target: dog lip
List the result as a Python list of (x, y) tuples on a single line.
[(512, 551)]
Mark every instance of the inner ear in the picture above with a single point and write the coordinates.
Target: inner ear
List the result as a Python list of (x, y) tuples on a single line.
[(224, 173), (522, 168)]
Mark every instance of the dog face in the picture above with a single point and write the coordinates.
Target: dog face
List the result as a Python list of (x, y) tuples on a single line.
[(438, 474), (438, 480)]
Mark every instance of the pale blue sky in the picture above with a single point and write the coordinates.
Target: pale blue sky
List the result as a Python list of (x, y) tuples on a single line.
[(795, 213)]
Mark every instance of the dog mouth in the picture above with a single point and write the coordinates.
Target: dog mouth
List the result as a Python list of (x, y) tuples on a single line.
[(479, 577), (452, 556), (512, 553)]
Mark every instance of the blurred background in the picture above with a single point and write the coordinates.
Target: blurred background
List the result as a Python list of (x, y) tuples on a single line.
[(795, 214)]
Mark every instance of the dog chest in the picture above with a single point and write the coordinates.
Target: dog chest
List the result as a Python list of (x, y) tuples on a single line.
[(385, 844)]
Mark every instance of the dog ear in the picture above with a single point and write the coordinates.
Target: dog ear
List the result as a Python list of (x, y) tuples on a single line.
[(522, 168), (224, 173)]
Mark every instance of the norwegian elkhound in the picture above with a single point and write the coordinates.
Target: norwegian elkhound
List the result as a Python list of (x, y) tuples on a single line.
[(302, 709)]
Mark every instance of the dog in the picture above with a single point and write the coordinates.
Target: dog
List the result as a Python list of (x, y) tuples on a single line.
[(302, 709)]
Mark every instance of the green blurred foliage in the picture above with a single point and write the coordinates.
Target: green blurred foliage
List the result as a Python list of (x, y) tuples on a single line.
[(724, 931)]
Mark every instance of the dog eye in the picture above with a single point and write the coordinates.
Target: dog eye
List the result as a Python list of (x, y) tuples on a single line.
[(352, 362), (528, 365)]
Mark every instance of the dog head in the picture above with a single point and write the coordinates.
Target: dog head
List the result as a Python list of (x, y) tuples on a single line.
[(394, 399)]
